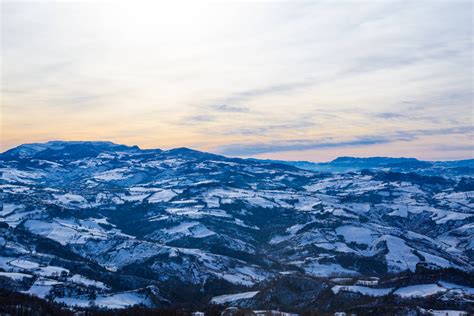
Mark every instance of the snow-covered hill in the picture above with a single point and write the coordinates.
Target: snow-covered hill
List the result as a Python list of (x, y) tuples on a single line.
[(98, 222)]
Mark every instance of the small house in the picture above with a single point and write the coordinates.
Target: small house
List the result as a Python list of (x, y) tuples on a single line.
[(370, 281)]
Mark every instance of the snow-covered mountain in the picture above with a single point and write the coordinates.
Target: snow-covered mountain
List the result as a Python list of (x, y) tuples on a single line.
[(450, 169), (111, 225)]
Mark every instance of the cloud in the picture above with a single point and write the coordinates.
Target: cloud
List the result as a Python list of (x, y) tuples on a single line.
[(413, 134), (295, 124), (465, 147), (230, 108), (199, 118), (303, 145), (326, 73), (390, 115), (298, 145), (414, 115), (265, 91)]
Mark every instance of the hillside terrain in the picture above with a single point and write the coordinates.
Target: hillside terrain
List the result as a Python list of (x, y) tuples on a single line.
[(96, 224)]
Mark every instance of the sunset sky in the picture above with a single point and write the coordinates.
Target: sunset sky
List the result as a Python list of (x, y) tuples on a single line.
[(295, 80)]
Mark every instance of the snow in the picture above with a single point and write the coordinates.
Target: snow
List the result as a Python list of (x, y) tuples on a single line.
[(260, 202), (41, 287), (127, 252), (4, 262), (236, 278), (51, 271), (134, 197), (317, 222), (157, 218), (420, 290), (111, 301), (63, 235), (336, 246), (193, 229), (182, 228), (192, 212), (14, 214), (201, 231), (139, 189), (453, 216), (359, 208), (103, 221), (79, 279), (290, 230), (362, 290), (20, 176), (306, 203), (440, 262), (15, 275), (212, 201), (162, 196), (67, 231), (359, 235), (213, 198), (70, 199), (447, 312), (120, 300), (112, 175), (342, 213), (233, 271), (105, 156), (9, 207), (451, 286), (400, 257), (10, 188), (24, 264), (322, 270), (222, 299), (73, 301), (47, 162)]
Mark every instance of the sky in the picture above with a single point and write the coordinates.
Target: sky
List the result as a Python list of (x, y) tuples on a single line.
[(296, 80)]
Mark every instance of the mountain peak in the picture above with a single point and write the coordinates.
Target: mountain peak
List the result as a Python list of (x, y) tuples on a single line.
[(185, 151), (57, 148)]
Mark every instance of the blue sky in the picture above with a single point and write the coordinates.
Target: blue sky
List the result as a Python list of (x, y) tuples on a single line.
[(288, 80)]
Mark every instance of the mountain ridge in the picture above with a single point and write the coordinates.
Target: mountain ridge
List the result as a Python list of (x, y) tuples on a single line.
[(112, 144)]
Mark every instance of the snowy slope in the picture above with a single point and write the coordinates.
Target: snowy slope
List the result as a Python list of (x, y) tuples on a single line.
[(79, 215)]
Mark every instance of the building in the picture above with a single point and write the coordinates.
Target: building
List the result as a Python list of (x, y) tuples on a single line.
[(370, 281)]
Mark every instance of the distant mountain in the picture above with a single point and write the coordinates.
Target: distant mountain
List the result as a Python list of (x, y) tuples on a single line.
[(97, 224), (60, 149), (457, 168)]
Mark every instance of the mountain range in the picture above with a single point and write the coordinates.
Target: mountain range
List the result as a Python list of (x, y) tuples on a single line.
[(102, 225)]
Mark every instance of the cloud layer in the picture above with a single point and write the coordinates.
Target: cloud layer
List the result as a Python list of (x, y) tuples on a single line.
[(292, 80)]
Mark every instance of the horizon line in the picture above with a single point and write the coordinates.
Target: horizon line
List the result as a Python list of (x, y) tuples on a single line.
[(228, 156)]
